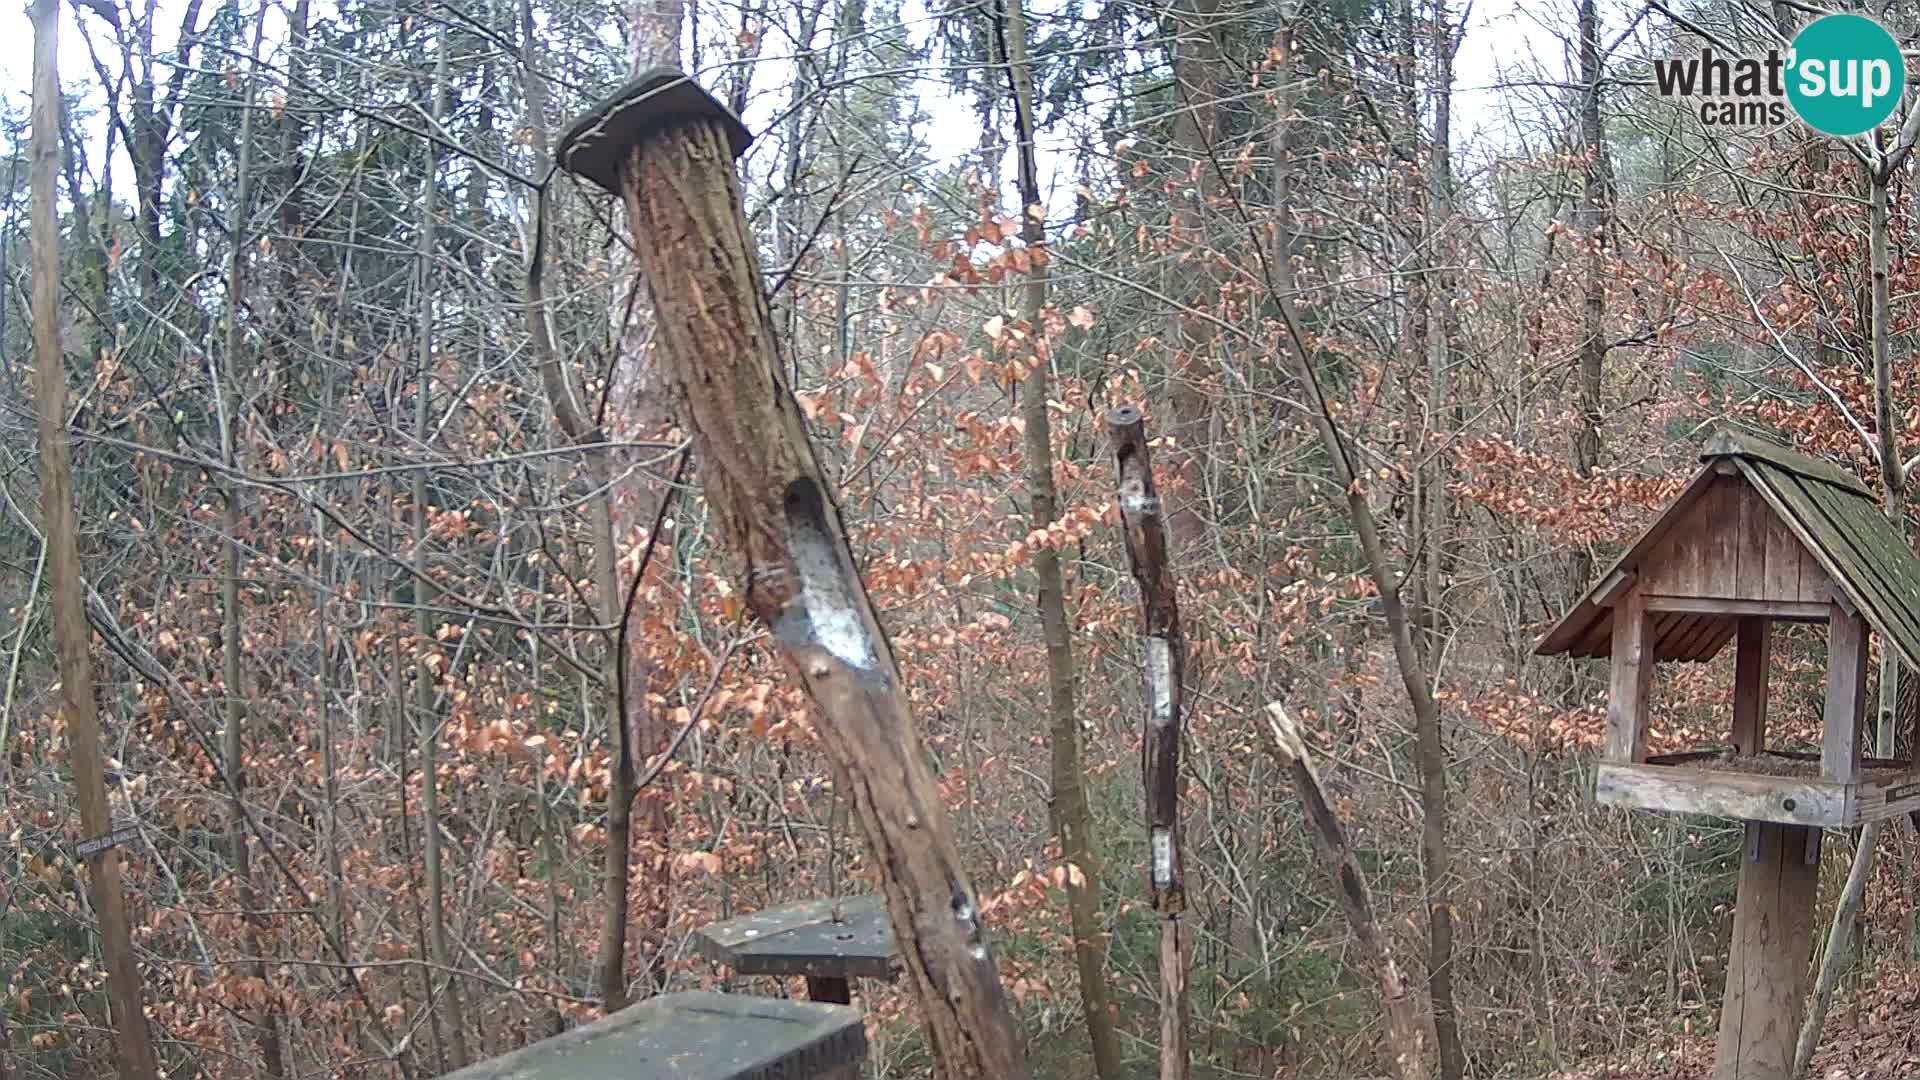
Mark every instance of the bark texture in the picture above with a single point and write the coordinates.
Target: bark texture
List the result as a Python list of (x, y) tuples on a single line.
[(1166, 663), (774, 506), (1350, 888), (1072, 818), (133, 1046)]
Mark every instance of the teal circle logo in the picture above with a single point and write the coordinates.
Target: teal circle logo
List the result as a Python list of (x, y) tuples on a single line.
[(1845, 74)]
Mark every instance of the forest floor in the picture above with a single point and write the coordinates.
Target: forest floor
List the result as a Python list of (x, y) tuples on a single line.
[(1870, 1035)]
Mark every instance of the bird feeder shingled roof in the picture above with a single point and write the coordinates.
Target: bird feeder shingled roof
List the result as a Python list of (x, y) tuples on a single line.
[(1846, 545)]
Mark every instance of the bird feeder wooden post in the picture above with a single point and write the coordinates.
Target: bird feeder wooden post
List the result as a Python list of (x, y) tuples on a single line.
[(1762, 535), (666, 147)]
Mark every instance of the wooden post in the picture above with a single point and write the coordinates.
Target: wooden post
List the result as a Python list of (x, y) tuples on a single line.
[(1846, 696), (832, 990), (667, 148), (1767, 963), (1753, 651), (1166, 663), (1632, 676)]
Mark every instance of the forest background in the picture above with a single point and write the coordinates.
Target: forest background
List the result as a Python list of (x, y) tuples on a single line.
[(375, 535)]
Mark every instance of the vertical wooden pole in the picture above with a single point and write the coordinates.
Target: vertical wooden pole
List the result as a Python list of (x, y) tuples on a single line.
[(1753, 652), (133, 1047), (1767, 966), (668, 149), (1632, 676), (1846, 697), (832, 990), (1166, 661)]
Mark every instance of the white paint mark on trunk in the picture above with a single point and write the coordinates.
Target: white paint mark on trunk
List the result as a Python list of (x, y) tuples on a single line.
[(1160, 680), (1160, 840), (828, 594)]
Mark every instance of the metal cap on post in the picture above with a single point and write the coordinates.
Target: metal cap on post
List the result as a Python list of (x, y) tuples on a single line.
[(597, 143)]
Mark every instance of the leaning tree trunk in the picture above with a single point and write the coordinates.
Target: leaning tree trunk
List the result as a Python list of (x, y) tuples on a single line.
[(1356, 903), (667, 148), (133, 1046), (1072, 818)]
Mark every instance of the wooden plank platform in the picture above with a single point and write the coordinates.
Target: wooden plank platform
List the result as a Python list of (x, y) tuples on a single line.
[(1671, 782), (805, 939), (697, 1035)]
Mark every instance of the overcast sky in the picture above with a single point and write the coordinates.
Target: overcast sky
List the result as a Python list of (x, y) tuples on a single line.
[(1503, 36)]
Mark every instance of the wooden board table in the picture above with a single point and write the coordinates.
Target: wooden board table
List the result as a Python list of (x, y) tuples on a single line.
[(699, 1035), (831, 942)]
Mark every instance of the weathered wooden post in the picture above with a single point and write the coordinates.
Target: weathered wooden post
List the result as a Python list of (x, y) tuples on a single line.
[(1763, 534), (1166, 663), (666, 148)]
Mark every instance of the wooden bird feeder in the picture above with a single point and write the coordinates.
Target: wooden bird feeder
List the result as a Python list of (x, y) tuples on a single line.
[(831, 942), (1763, 534), (697, 1035)]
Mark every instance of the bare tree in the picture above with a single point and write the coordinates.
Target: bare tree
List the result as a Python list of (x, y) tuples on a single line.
[(1072, 819), (133, 1046)]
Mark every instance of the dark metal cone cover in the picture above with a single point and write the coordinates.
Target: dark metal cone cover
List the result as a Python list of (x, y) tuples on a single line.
[(597, 143)]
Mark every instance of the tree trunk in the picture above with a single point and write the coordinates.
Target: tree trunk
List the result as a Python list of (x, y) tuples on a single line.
[(1197, 65), (133, 1046), (774, 506), (233, 747), (632, 732), (1839, 933), (1893, 479), (1441, 324), (1166, 663), (1072, 818), (1593, 218), (424, 675)]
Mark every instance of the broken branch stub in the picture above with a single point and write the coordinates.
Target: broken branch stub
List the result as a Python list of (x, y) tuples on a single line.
[(777, 511), (1405, 1032), (1166, 655)]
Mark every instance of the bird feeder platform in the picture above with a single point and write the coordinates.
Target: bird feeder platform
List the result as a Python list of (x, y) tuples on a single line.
[(1776, 785), (1763, 534), (698, 1035), (830, 942)]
